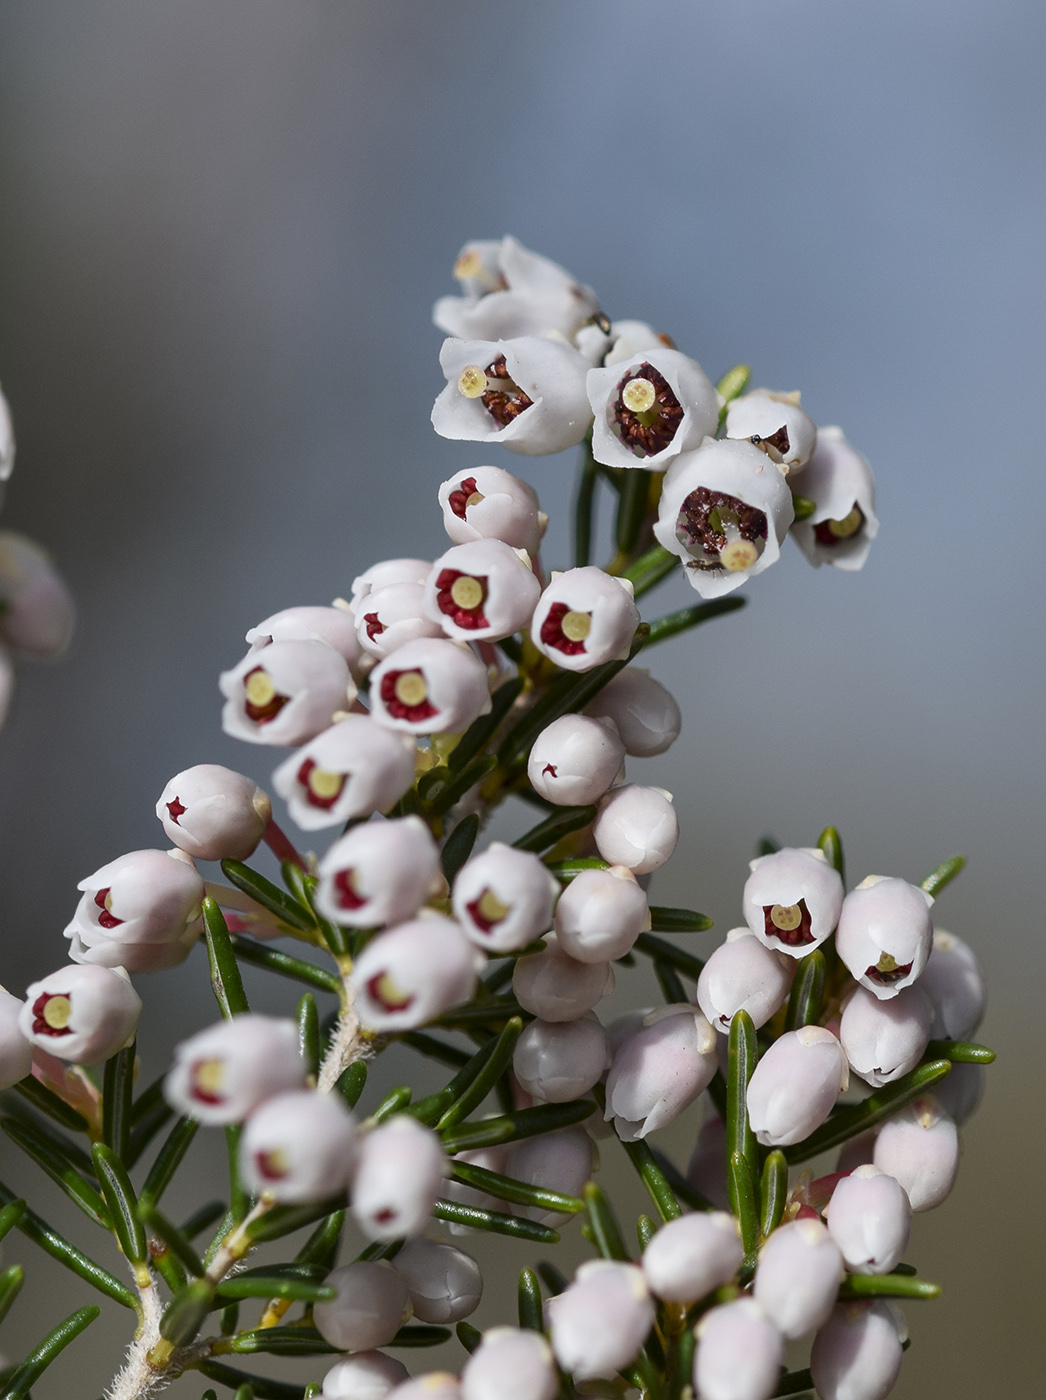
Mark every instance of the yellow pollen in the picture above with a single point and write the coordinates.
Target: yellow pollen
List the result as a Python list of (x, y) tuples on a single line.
[(209, 1076), (576, 625), (849, 525), (474, 499), (886, 964), (472, 381), (411, 688), (469, 264), (467, 592), (738, 555), (259, 688), (638, 395), (324, 783), (492, 908), (58, 1012), (786, 917)]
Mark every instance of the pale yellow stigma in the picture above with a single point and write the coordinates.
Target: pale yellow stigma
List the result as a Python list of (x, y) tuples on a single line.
[(639, 395), (259, 688), (209, 1076), (58, 1012), (849, 525), (472, 382), (469, 264), (786, 917), (467, 592), (886, 964), (389, 992), (274, 1163), (324, 783), (576, 625), (738, 555), (491, 908), (411, 688), (474, 499)]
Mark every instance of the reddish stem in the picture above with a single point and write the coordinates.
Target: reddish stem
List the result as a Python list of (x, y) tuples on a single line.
[(278, 843)]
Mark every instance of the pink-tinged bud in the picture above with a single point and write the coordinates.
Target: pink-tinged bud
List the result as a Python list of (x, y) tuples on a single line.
[(953, 982), (560, 1061), (792, 900), (561, 1161), (371, 1306), (798, 1276), (433, 1385), (481, 591), (556, 987), (919, 1147), (600, 915), (839, 482), (961, 1092), (413, 973), (487, 503), (693, 1255), (7, 441), (222, 1074), (743, 975), (335, 626), (351, 770), (739, 1353), (869, 1216), (285, 693), (574, 761), (140, 912), (16, 1054), (510, 291), (429, 687), (650, 408), (636, 827), (383, 575), (706, 1170), (885, 1039), (885, 934), (775, 424), (393, 616), (585, 617), (398, 1178), (38, 611), (213, 813), (81, 1013), (298, 1147), (444, 1283), (601, 1320), (503, 898), (380, 872), (369, 1375), (858, 1352), (510, 1364), (646, 715), (795, 1085), (660, 1070)]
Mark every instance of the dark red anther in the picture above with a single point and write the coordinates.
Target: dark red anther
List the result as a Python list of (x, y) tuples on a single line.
[(40, 1025), (375, 626), (552, 633), (347, 896), (467, 618), (413, 714), (459, 499), (823, 531), (887, 979), (106, 919), (176, 810)]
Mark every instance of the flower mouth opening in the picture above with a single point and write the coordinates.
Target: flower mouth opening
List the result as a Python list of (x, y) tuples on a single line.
[(374, 625), (776, 445), (835, 532), (887, 971), (646, 413), (788, 923), (467, 494), (498, 392), (321, 787), (389, 995), (52, 1012), (487, 911), (176, 810), (272, 1165), (207, 1081), (262, 701), (349, 896), (405, 694), (566, 629), (720, 531), (461, 597), (104, 900)]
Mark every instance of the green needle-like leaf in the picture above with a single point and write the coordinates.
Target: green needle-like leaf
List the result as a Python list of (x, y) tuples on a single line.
[(10, 1216), (273, 1286), (308, 1019), (119, 1197), (744, 1052), (650, 568), (58, 1167), (41, 1097), (665, 920), (420, 1335), (49, 1240), (682, 961), (672, 989), (606, 1232), (742, 1200), (584, 502), (226, 981), (273, 960), (434, 1048), (943, 875), (468, 1336), (172, 1237), (481, 730), (11, 1281), (774, 1193), (645, 1231), (263, 1387), (507, 1188), (529, 1300), (268, 895), (831, 843), (686, 618), (887, 1286), (653, 1178), (766, 846), (37, 1362), (523, 1123), (279, 1341), (960, 1052), (462, 781), (393, 1102), (458, 846), (567, 870), (168, 1159), (283, 1220), (320, 1248), (552, 830), (494, 1066), (486, 1014), (118, 1086), (352, 1082), (681, 1188), (807, 995), (494, 1221), (846, 1123), (734, 382), (201, 1219)]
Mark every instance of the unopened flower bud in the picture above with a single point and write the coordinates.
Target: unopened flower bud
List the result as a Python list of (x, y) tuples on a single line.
[(353, 769), (560, 1060), (885, 1039), (380, 872), (739, 1353), (706, 1170), (650, 408), (368, 1375), (585, 617), (16, 1054), (645, 713), (839, 482), (659, 1071), (857, 1354), (213, 813), (575, 760), (480, 591), (693, 1255), (393, 616), (562, 1161), (140, 912), (444, 1283), (556, 987), (37, 613), (285, 693), (919, 1147), (222, 1074), (510, 1364), (601, 1320), (335, 626), (493, 1159), (433, 1385), (885, 934), (792, 900), (504, 898), (429, 687), (371, 1306), (953, 982), (413, 973), (743, 975), (600, 915), (510, 291), (869, 1216), (795, 1085), (384, 574), (488, 503), (960, 1093), (399, 1173), (298, 1147), (81, 1013), (798, 1277), (775, 424), (636, 827)]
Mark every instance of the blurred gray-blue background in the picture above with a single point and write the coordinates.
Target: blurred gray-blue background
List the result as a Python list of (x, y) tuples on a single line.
[(222, 227)]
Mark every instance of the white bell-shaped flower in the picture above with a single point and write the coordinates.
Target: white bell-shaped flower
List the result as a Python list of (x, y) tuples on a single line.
[(885, 934), (792, 899), (504, 898), (628, 338), (869, 1216), (557, 1061), (952, 980), (480, 591), (725, 510), (960, 1093), (776, 424), (413, 973), (37, 612), (919, 1147), (285, 693), (433, 1385), (367, 1375), (743, 975), (380, 872), (556, 987), (575, 760), (7, 440), (857, 1354), (526, 393), (444, 1283), (646, 715), (429, 687), (798, 1276), (585, 617), (659, 1071), (739, 1353), (489, 503), (562, 1161), (839, 482), (16, 1054), (335, 626), (371, 1306), (222, 1074), (140, 912), (649, 408), (795, 1085), (212, 813), (690, 1257), (353, 769), (600, 915), (298, 1147), (399, 1173), (509, 291), (885, 1039), (81, 1013), (706, 1170), (393, 616), (600, 1321), (510, 1363), (636, 827), (382, 575)]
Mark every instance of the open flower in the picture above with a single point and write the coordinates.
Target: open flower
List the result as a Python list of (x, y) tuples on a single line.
[(37, 612), (645, 714), (213, 813), (504, 898), (650, 408), (298, 1147), (285, 693), (335, 626), (414, 972), (775, 424), (585, 617), (839, 482), (222, 1074), (510, 291), (482, 590), (885, 934), (792, 900), (140, 912), (380, 872), (489, 503), (392, 616), (659, 1071), (429, 687), (350, 770), (81, 1013)]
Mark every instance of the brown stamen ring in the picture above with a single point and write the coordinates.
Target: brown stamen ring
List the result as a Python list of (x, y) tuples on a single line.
[(648, 430)]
